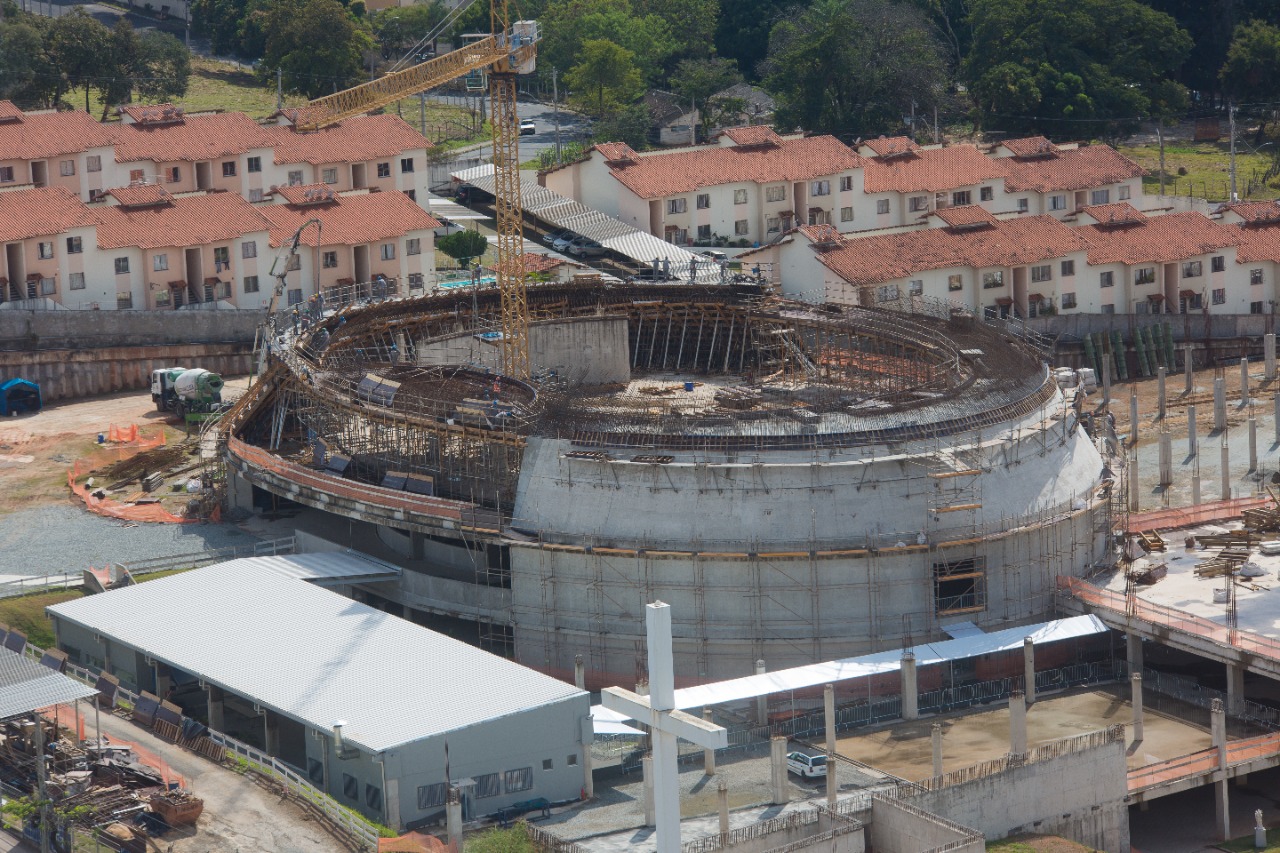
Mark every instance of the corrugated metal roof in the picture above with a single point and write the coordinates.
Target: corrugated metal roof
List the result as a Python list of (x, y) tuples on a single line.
[(315, 656), (26, 685), (322, 568)]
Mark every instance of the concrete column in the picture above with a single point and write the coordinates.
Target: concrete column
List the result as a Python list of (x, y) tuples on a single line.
[(1192, 444), (1188, 366), (579, 673), (271, 733), (217, 710), (1195, 488), (1219, 403), (937, 749), (1235, 689), (1226, 472), (1133, 652), (646, 768), (1133, 417), (1160, 378), (1029, 668), (1135, 493), (762, 702), (723, 797), (164, 680), (1017, 723), (1276, 413), (910, 686), (1269, 355), (829, 723), (708, 755), (1221, 802), (1253, 443), (1259, 828), (1244, 382), (1135, 699), (1166, 458), (779, 785), (453, 822), (1106, 380)]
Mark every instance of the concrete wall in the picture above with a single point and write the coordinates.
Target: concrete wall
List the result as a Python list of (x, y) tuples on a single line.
[(40, 330), (589, 350), (898, 827), (1079, 795)]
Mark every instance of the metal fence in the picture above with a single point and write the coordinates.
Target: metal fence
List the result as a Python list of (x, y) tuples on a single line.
[(1188, 690)]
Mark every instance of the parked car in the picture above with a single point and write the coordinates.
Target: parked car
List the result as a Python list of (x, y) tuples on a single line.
[(809, 766), (551, 237), (715, 255), (585, 247), (562, 242), (527, 127)]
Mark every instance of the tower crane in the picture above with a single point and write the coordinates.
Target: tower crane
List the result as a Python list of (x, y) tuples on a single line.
[(508, 50)]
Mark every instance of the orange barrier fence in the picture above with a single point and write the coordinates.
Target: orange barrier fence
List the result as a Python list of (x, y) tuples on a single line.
[(1188, 516), (132, 435), (65, 715), (125, 511)]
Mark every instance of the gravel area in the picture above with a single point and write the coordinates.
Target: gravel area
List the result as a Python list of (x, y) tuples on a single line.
[(67, 538)]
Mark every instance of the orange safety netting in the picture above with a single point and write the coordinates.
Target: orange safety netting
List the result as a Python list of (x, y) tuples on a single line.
[(412, 842), (65, 715), (132, 435), (125, 511)]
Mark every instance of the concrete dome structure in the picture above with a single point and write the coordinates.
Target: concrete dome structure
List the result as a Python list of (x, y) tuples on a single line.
[(799, 483)]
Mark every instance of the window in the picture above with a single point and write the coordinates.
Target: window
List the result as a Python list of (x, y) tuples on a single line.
[(704, 232), (1255, 276), (162, 297), (222, 258), (295, 178), (1057, 202), (417, 281), (1068, 268), (329, 176), (373, 797), (122, 266), (1192, 269), (412, 194), (488, 785), (67, 168), (960, 585), (1068, 300), (987, 194), (350, 786), (677, 205), (882, 206), (955, 282), (384, 170), (846, 184), (518, 780), (406, 164), (992, 280), (295, 263), (255, 195), (74, 246), (1042, 273), (1023, 205), (961, 197), (315, 771), (6, 174), (388, 251), (175, 175), (704, 201), (76, 281), (329, 260), (846, 214), (1144, 275), (1218, 263), (46, 251), (1106, 279), (413, 246), (124, 300), (431, 796), (251, 284), (778, 193), (249, 249), (1109, 308), (159, 263), (817, 188), (229, 169), (741, 228), (917, 203), (739, 196), (1194, 302), (93, 163), (253, 164), (915, 287), (295, 296), (887, 293), (548, 764), (773, 224), (1100, 197), (571, 760), (137, 176), (1122, 193), (96, 195), (1255, 307), (1219, 296)]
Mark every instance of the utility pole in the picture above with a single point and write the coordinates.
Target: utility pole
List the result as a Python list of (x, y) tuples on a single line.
[(279, 89), (555, 108), (1231, 114), (1160, 137), (422, 107), (937, 137)]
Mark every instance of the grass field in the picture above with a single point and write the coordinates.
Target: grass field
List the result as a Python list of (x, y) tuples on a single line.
[(26, 613), (1207, 166)]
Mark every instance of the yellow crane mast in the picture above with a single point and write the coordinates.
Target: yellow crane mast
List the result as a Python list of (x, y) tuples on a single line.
[(508, 50)]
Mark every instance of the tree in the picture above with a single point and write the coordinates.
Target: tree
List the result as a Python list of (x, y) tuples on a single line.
[(629, 124), (221, 21), (606, 72), (567, 26), (400, 28), (698, 80), (462, 246), (120, 66), (316, 43), (164, 66), (78, 46), (853, 67), (1072, 67), (742, 33), (1252, 68), (692, 24), (27, 77)]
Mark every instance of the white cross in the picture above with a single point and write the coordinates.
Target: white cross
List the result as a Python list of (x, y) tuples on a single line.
[(658, 711)]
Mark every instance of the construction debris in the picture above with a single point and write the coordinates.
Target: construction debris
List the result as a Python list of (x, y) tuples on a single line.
[(1150, 541)]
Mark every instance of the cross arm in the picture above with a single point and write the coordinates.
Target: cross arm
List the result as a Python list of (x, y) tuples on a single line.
[(678, 723)]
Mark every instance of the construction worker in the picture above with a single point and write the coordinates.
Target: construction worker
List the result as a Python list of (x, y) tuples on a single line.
[(295, 319)]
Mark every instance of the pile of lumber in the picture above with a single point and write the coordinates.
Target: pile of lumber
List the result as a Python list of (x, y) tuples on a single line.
[(1230, 539), (1224, 563), (1150, 541)]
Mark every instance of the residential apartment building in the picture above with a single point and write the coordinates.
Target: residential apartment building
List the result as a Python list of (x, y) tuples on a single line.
[(756, 185), (144, 248)]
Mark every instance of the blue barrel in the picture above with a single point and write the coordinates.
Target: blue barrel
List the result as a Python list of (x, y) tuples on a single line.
[(688, 386)]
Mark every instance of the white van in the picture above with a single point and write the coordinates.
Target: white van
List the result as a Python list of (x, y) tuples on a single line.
[(809, 766)]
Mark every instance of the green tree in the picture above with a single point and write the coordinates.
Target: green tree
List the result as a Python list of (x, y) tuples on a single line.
[(164, 67), (692, 24), (605, 73), (742, 33), (513, 840), (567, 26), (120, 66), (400, 28), (462, 246), (853, 67), (629, 124), (1252, 67), (27, 76), (78, 46), (697, 80), (221, 21), (316, 43), (1214, 23), (1072, 67)]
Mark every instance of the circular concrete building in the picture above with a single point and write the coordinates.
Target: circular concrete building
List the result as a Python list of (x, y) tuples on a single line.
[(799, 483)]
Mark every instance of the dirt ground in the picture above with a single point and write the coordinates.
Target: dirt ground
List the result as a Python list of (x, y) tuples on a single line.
[(1262, 394)]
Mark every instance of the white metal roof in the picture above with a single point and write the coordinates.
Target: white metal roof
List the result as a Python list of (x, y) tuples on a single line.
[(812, 675), (313, 655), (324, 568), (447, 208), (26, 686)]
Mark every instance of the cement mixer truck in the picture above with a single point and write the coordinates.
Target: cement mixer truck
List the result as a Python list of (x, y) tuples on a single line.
[(194, 394)]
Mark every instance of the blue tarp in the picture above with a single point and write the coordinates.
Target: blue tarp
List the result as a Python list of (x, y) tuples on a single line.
[(19, 395)]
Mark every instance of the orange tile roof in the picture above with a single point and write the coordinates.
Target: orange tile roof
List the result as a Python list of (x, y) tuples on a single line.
[(931, 170), (1171, 237), (40, 212), (1030, 146), (820, 233), (354, 220), (1258, 240), (965, 216), (1255, 211), (199, 137), (153, 113), (661, 175), (535, 262), (890, 146), (885, 257), (39, 135), (757, 134), (356, 140), (1120, 212), (1081, 169), (9, 111), (616, 151), (140, 195), (189, 221), (305, 193)]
